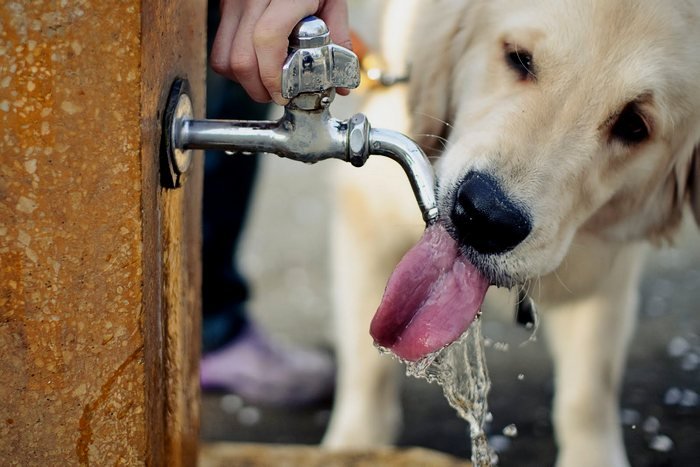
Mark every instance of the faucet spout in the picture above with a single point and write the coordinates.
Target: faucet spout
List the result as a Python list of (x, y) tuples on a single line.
[(414, 162)]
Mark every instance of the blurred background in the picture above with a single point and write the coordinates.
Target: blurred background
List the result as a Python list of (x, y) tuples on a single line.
[(284, 256)]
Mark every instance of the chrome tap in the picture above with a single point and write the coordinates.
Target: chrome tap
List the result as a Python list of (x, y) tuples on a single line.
[(306, 131)]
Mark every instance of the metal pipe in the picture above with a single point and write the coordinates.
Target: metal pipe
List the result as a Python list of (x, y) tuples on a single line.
[(231, 135), (313, 136), (301, 135), (414, 162)]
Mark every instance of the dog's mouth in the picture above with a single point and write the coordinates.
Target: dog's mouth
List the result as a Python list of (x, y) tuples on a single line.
[(432, 297)]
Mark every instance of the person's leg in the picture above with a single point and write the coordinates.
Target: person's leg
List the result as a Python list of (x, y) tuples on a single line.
[(237, 356), (227, 191), (228, 186)]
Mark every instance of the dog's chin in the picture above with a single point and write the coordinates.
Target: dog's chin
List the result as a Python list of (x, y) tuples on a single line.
[(500, 270), (514, 268)]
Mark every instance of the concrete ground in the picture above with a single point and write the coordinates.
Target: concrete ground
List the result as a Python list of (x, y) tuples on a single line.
[(284, 254)]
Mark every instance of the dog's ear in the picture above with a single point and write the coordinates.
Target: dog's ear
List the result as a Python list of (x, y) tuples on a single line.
[(665, 208), (694, 184), (442, 32)]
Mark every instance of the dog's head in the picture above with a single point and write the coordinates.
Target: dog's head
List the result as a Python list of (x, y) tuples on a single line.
[(559, 117)]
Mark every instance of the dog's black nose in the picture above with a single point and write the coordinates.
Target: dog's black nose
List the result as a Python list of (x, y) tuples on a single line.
[(485, 218)]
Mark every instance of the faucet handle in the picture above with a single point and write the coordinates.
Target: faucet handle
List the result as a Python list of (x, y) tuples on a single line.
[(314, 63)]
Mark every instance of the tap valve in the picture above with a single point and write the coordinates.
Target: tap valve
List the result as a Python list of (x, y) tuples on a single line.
[(315, 64), (306, 132)]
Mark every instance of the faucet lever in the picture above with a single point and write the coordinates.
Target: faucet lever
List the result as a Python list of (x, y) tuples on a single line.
[(314, 63)]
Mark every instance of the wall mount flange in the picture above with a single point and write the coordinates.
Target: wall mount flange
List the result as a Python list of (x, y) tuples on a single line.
[(175, 161)]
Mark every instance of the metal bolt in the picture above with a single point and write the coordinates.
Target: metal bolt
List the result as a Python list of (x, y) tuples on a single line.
[(358, 140)]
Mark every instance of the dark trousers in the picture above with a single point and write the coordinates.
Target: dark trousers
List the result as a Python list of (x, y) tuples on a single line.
[(228, 184)]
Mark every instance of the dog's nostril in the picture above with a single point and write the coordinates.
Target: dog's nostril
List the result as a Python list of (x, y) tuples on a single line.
[(485, 218)]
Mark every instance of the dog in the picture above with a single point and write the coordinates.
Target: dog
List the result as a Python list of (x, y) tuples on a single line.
[(566, 137)]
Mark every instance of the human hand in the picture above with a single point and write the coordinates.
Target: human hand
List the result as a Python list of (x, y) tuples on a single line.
[(252, 39)]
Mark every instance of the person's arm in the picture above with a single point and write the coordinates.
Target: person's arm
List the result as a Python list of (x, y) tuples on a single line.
[(252, 39)]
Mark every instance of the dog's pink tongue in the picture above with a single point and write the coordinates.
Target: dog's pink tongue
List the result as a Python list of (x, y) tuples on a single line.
[(432, 297)]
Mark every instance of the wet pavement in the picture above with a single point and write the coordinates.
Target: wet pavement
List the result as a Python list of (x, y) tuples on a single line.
[(284, 254)]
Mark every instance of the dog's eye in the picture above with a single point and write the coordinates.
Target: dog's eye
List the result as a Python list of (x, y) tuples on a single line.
[(521, 62), (630, 127)]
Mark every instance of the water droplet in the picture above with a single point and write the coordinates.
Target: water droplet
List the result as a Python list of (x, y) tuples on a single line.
[(677, 347), (500, 443), (521, 376), (673, 396), (488, 418), (630, 417), (651, 425), (690, 361), (249, 416), (231, 403), (510, 430), (689, 398), (661, 443), (502, 346)]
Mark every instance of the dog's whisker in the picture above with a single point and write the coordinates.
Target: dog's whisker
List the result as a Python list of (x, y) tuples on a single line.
[(437, 137), (422, 114), (443, 141), (529, 71), (559, 279)]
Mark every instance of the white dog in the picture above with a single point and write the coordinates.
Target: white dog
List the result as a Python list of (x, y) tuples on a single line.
[(567, 134)]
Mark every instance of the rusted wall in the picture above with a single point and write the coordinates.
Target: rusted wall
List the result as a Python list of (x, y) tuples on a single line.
[(85, 299), (174, 32)]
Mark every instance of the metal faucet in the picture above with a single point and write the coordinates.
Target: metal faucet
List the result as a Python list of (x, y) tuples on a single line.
[(306, 132)]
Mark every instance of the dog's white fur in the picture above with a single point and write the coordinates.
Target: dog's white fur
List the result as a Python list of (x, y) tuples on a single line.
[(595, 202)]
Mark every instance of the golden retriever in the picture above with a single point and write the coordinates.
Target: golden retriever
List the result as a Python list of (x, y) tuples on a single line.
[(568, 134)]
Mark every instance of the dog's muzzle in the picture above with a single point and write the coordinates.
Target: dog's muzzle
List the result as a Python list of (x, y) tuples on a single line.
[(485, 219)]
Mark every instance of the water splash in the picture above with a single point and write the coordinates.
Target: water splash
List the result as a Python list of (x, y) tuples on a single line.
[(510, 430), (249, 416), (460, 369), (678, 347), (661, 443), (651, 425)]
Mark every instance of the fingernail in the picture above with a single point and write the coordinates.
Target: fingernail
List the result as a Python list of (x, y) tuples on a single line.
[(279, 100)]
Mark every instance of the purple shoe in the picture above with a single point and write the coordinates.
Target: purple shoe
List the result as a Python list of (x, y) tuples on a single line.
[(264, 372)]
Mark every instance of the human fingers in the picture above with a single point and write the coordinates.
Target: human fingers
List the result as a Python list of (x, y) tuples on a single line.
[(271, 43), (335, 15), (220, 58), (243, 57)]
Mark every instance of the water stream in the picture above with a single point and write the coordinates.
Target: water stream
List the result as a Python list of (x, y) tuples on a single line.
[(460, 369)]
